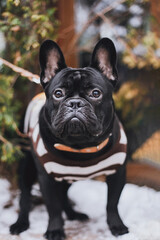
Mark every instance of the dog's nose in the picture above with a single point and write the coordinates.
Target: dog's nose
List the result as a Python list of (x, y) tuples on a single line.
[(75, 103)]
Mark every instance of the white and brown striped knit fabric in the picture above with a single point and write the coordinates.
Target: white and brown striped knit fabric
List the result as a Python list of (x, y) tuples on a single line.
[(67, 169)]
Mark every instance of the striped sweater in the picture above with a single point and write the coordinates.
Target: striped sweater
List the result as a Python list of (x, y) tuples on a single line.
[(63, 168)]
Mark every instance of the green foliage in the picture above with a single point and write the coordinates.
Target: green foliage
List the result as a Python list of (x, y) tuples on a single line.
[(134, 28), (131, 95), (25, 25), (9, 148), (145, 37), (150, 42), (136, 102)]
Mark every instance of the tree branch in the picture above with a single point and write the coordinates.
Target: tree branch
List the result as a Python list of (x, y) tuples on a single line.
[(92, 19), (4, 140), (32, 77)]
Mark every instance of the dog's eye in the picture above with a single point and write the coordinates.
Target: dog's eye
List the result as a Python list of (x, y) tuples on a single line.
[(58, 93), (96, 93)]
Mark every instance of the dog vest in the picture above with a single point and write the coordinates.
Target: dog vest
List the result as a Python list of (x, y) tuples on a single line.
[(63, 168)]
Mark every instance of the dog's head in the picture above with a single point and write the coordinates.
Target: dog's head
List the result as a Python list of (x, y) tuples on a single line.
[(79, 102)]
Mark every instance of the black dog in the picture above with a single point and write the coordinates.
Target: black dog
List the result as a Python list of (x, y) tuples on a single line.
[(75, 134)]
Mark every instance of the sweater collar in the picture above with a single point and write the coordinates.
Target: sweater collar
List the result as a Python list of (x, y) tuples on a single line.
[(93, 149)]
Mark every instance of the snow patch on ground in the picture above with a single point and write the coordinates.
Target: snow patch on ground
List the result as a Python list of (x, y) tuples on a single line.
[(139, 208)]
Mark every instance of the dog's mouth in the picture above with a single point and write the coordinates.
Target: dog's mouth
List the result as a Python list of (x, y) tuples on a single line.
[(74, 127)]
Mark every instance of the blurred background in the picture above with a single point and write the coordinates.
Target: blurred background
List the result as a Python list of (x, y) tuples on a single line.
[(76, 25)]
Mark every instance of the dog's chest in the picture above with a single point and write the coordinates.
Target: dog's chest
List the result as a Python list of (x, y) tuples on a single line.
[(66, 169)]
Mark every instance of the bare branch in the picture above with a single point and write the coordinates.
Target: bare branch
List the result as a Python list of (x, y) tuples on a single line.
[(2, 139), (32, 77), (35, 78), (91, 20), (107, 20), (19, 133)]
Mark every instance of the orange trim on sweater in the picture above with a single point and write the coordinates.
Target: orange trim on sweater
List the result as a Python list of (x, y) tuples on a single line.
[(62, 147)]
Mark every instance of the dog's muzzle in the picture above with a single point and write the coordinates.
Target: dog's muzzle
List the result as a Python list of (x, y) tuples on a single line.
[(76, 117)]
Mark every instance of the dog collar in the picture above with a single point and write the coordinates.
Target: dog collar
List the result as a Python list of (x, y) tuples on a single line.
[(94, 149)]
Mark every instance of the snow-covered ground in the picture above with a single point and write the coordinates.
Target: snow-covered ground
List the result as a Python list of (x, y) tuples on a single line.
[(139, 208)]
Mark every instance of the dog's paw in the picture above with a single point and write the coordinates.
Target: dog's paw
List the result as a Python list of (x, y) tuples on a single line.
[(55, 235), (118, 229), (115, 224), (78, 216), (19, 227)]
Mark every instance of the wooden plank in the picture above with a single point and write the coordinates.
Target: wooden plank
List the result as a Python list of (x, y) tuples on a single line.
[(143, 174), (155, 12)]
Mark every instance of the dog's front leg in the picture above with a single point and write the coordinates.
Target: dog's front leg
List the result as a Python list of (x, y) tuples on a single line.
[(115, 184), (27, 175), (68, 208), (52, 194)]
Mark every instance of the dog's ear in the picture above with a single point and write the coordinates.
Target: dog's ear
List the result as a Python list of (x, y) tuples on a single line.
[(104, 59), (51, 61)]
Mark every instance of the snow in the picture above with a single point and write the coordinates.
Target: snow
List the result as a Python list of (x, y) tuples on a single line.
[(107, 30), (135, 21), (121, 31), (103, 4), (2, 42), (140, 50), (120, 8), (157, 53), (139, 208), (136, 10), (81, 16)]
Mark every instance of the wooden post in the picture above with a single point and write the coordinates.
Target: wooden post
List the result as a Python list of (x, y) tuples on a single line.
[(66, 31), (155, 12)]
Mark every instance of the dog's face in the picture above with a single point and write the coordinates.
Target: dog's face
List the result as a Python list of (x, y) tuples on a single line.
[(79, 102)]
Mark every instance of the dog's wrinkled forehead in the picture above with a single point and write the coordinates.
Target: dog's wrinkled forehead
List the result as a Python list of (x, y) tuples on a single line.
[(78, 78), (73, 78)]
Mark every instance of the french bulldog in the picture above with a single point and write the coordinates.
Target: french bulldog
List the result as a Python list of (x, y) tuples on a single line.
[(75, 134)]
